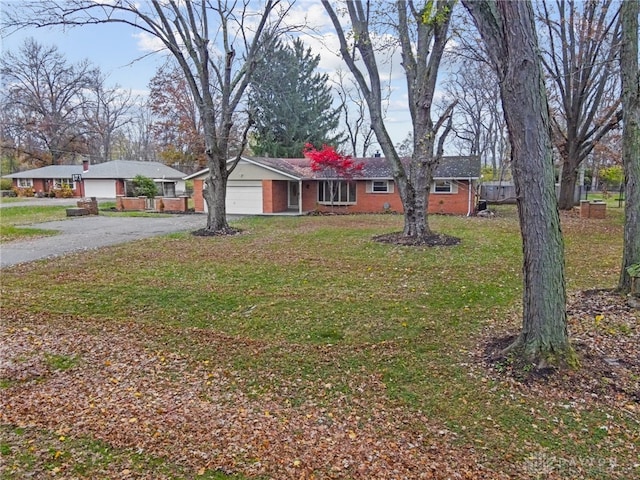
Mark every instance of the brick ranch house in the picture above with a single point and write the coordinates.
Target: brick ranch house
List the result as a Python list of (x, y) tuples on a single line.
[(102, 180), (288, 185)]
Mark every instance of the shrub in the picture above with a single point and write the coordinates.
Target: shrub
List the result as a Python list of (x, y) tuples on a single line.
[(64, 192), (24, 192), (144, 187), (6, 184)]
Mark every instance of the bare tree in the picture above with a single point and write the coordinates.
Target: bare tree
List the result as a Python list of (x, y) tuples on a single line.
[(509, 34), (581, 45), (478, 122), (216, 43), (422, 34), (106, 110), (630, 74), (355, 116), (135, 140), (45, 92)]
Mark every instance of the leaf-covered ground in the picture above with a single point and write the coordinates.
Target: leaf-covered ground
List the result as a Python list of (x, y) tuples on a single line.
[(303, 349), (205, 417)]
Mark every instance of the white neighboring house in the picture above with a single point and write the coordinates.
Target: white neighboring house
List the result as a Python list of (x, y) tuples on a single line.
[(102, 180)]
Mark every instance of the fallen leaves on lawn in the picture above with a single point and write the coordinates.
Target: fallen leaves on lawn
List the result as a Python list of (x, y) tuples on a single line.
[(201, 415)]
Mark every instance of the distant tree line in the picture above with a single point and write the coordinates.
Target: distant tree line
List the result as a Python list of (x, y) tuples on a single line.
[(54, 112)]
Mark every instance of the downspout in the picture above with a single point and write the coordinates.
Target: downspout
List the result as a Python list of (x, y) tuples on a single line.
[(300, 197), (469, 209)]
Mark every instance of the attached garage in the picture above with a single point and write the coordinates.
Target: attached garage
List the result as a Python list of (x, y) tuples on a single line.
[(100, 188), (253, 188), (243, 198)]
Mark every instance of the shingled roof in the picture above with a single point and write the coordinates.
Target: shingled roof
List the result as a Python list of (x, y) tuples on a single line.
[(116, 169), (51, 171), (460, 167)]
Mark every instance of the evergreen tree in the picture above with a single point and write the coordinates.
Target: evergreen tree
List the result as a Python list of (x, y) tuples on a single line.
[(291, 104)]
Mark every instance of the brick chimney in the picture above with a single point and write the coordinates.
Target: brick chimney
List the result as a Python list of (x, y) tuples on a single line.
[(85, 166)]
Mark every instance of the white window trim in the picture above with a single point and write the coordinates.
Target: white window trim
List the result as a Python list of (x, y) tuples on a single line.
[(25, 182), (452, 191), (388, 183)]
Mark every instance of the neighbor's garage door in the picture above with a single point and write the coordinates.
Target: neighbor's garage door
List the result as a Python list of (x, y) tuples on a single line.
[(244, 197), (100, 188)]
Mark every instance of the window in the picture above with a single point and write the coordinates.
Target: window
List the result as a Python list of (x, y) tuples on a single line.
[(380, 186), (442, 186), (25, 182), (62, 183), (340, 191), (166, 189)]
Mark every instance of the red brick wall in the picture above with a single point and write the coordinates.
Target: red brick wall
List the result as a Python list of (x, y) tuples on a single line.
[(275, 199), (198, 199), (449, 203), (275, 196), (452, 203), (172, 204), (119, 187), (309, 196), (39, 185), (131, 203)]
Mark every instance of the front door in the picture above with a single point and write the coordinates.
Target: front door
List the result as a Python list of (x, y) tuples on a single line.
[(294, 195)]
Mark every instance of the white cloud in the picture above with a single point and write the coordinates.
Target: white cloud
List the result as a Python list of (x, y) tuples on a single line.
[(148, 43)]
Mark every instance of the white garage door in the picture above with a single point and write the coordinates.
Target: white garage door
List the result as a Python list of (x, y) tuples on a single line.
[(245, 198), (100, 188)]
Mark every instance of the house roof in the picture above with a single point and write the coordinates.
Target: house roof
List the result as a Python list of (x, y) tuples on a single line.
[(125, 169), (51, 171), (458, 167), (130, 168)]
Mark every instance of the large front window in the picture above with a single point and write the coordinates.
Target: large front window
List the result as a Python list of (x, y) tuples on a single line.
[(336, 192), (25, 182)]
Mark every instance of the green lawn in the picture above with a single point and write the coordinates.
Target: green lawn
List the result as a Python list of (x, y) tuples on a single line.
[(14, 221), (300, 348)]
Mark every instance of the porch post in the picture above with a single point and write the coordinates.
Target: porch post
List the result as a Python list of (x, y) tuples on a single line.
[(300, 197)]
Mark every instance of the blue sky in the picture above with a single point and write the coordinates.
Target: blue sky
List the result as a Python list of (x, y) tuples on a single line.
[(122, 53), (114, 48)]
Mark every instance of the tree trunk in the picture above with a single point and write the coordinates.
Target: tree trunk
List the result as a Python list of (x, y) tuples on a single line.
[(215, 195), (415, 204), (568, 180), (509, 33), (630, 74)]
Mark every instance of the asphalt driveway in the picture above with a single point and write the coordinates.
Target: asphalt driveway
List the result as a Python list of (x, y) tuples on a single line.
[(91, 232)]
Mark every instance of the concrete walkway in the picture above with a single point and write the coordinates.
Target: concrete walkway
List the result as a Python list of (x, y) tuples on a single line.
[(91, 232)]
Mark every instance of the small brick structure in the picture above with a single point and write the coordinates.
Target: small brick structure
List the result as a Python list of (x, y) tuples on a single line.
[(131, 203), (158, 204), (89, 204), (86, 206), (595, 209), (77, 212), (172, 204)]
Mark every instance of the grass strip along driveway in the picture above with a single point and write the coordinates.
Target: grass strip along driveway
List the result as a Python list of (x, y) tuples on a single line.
[(302, 348)]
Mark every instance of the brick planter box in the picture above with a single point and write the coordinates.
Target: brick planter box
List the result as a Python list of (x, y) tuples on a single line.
[(593, 209), (171, 204), (158, 204), (131, 203)]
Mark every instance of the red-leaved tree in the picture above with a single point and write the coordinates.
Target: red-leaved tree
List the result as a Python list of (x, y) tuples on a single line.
[(334, 166)]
